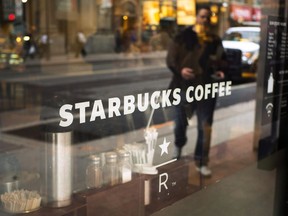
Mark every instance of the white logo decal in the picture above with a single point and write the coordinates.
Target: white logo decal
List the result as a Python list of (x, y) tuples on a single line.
[(164, 147), (163, 182)]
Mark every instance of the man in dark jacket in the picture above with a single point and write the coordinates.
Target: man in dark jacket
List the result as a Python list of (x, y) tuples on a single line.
[(196, 57)]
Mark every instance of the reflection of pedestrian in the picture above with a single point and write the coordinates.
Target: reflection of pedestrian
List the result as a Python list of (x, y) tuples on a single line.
[(160, 41), (80, 44), (196, 56), (126, 41), (43, 46), (118, 41), (133, 41), (29, 46)]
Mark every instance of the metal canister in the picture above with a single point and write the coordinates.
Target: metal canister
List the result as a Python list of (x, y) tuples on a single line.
[(58, 169)]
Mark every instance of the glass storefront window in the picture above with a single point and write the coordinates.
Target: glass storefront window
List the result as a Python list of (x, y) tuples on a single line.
[(143, 107)]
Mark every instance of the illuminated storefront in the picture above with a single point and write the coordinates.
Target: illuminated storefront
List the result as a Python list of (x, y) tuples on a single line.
[(245, 13), (186, 12)]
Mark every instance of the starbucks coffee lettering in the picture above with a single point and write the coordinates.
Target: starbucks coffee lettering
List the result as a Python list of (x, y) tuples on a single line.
[(129, 104)]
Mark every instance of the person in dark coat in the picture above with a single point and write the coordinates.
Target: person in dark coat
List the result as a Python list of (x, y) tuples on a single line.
[(196, 57)]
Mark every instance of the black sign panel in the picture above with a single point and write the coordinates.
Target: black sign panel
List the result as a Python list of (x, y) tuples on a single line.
[(275, 105)]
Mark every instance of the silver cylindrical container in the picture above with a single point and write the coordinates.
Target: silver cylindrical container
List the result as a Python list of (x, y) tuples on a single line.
[(58, 169)]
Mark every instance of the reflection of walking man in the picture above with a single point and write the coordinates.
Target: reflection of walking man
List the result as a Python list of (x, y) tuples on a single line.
[(196, 56)]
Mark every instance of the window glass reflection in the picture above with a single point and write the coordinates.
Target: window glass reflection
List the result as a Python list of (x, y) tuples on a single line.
[(87, 106)]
